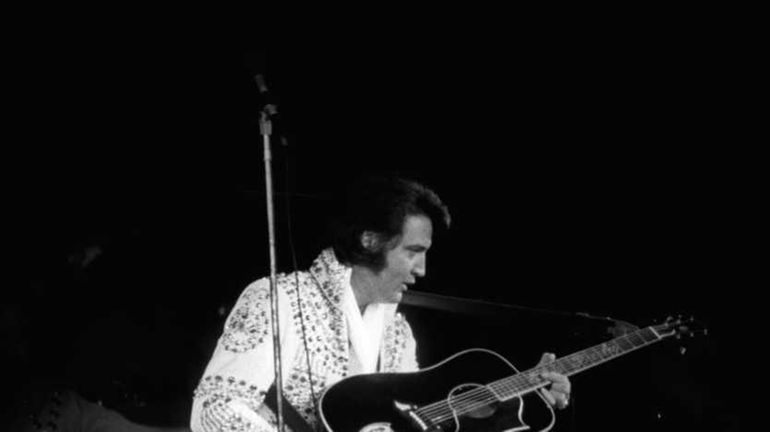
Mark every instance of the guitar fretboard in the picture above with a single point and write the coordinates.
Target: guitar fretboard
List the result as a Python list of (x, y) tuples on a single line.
[(530, 380)]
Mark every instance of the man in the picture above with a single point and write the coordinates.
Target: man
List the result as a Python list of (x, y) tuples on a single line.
[(339, 317)]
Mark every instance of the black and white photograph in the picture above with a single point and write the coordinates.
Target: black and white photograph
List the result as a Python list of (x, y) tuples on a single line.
[(413, 225)]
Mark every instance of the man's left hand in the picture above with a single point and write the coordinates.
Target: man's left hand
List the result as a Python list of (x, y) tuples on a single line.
[(557, 393)]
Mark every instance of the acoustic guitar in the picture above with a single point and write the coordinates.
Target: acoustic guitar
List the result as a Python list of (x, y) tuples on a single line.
[(476, 390)]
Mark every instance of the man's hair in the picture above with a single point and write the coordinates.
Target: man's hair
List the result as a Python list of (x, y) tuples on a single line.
[(380, 204)]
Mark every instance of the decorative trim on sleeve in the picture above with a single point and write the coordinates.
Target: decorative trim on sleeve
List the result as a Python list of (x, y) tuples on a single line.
[(217, 394), (249, 322), (216, 387)]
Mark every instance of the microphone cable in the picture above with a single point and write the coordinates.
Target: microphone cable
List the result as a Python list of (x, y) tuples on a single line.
[(296, 276)]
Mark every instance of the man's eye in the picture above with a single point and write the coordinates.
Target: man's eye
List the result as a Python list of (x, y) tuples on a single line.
[(413, 253)]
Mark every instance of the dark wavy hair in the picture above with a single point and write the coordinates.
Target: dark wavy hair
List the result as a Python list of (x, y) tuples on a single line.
[(380, 204)]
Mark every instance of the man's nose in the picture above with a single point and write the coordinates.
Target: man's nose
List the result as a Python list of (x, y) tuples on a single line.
[(420, 267)]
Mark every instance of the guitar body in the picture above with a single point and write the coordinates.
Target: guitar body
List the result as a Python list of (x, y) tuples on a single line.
[(397, 402)]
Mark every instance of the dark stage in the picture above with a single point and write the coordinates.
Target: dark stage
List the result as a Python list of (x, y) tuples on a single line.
[(585, 171)]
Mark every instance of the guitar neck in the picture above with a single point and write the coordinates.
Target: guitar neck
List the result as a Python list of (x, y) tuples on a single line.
[(530, 380)]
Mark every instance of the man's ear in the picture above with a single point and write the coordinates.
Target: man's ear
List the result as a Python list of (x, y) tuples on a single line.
[(370, 241)]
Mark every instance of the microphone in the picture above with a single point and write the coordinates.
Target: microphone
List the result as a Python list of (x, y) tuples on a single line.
[(269, 108), (261, 85)]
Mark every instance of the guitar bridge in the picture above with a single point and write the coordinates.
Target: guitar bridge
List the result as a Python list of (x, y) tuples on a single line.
[(408, 411)]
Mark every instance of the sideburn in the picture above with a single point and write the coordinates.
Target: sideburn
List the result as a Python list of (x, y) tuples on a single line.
[(380, 251)]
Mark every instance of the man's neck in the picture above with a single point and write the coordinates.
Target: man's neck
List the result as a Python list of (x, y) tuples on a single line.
[(362, 282)]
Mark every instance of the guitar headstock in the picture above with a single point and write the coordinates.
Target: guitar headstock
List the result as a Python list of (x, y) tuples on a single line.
[(680, 327)]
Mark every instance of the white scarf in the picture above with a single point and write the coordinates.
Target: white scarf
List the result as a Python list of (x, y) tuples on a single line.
[(365, 331)]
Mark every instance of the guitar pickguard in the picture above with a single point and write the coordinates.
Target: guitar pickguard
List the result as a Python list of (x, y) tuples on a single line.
[(377, 427)]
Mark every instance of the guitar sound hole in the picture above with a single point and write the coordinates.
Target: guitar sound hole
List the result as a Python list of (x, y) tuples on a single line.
[(472, 400)]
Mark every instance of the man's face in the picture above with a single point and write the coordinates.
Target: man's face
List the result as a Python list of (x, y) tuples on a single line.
[(405, 262)]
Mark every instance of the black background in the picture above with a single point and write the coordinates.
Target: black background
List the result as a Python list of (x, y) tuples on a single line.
[(593, 169)]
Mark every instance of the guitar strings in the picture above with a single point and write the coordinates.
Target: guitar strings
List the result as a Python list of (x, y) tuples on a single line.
[(469, 400), (514, 383), (438, 412), (442, 411)]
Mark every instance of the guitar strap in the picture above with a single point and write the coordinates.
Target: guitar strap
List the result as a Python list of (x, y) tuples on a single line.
[(290, 415)]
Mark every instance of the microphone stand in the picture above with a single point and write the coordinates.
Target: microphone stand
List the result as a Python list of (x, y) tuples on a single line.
[(266, 127)]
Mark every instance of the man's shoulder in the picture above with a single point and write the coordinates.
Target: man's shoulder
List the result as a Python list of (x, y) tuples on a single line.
[(400, 325), (286, 282), (400, 319)]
